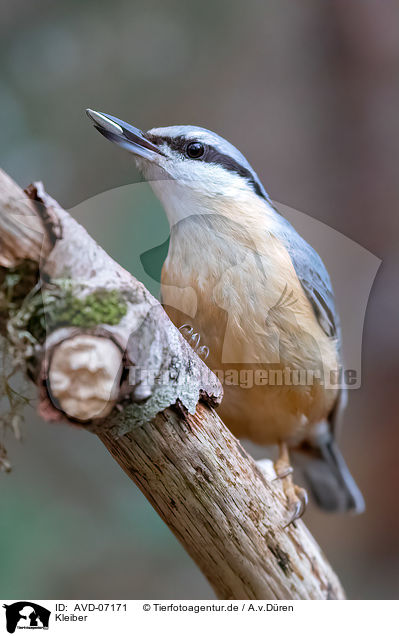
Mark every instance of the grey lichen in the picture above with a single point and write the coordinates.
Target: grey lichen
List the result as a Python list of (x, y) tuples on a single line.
[(134, 415)]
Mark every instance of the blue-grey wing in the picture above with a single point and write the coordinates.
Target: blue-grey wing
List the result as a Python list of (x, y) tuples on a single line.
[(312, 275), (316, 283)]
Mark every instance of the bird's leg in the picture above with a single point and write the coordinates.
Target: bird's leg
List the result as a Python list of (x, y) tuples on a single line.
[(297, 497)]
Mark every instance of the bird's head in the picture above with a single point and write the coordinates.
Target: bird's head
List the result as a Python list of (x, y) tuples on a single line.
[(192, 170)]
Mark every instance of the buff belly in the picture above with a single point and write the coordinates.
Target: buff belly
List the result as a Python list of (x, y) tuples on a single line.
[(271, 402), (270, 414)]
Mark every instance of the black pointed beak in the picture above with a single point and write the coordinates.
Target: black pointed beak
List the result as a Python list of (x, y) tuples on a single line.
[(124, 135)]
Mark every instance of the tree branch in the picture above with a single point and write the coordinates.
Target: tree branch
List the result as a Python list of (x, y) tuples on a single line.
[(105, 356)]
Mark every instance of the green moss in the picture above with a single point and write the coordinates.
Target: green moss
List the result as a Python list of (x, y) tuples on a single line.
[(59, 306), (31, 308), (100, 307)]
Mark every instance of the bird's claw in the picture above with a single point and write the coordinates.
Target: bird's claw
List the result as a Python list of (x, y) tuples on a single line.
[(193, 340), (186, 330), (203, 352), (297, 504)]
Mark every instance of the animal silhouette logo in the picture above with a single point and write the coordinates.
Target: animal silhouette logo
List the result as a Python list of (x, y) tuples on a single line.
[(26, 615)]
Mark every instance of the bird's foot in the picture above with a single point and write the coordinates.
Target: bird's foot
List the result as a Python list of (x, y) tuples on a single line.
[(193, 340), (297, 498)]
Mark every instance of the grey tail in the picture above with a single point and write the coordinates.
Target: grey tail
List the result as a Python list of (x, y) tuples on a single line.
[(330, 481)]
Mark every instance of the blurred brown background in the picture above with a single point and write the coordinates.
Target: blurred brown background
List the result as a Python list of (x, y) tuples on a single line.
[(310, 93)]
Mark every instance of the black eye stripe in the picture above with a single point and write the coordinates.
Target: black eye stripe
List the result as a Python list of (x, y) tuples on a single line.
[(175, 143), (212, 155)]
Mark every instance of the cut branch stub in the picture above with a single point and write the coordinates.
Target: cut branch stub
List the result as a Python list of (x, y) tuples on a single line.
[(85, 376)]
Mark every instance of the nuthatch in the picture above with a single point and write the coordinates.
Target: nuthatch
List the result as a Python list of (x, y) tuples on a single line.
[(258, 295)]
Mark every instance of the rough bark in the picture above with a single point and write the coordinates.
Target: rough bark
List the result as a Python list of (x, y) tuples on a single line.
[(225, 511), (161, 427)]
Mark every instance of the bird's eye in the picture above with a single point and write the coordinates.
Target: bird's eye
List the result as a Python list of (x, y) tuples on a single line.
[(195, 150)]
